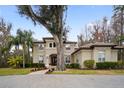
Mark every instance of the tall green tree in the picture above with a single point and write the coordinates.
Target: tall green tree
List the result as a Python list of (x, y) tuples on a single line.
[(22, 41), (119, 19), (52, 18), (29, 42), (119, 22), (15, 41), (5, 29), (24, 38)]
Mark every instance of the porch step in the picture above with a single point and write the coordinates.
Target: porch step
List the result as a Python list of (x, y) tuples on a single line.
[(39, 72)]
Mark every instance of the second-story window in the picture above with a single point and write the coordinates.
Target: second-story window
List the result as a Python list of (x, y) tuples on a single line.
[(54, 44), (67, 47), (68, 59), (40, 46), (50, 44)]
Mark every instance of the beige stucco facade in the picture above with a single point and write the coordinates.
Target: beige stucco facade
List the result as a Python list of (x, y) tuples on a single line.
[(43, 51), (97, 53)]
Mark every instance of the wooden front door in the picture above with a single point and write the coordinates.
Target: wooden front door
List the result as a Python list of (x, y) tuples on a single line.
[(54, 60)]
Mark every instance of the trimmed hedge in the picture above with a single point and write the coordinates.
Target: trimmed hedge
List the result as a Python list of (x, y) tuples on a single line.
[(106, 65), (89, 64), (33, 65), (67, 65), (120, 65), (73, 65), (26, 65)]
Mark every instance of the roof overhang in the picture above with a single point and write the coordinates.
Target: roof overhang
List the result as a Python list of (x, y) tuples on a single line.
[(91, 46)]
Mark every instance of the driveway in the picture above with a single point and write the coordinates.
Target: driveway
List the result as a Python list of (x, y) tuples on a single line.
[(62, 81)]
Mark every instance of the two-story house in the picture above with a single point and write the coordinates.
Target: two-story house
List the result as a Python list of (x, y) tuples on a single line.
[(45, 51)]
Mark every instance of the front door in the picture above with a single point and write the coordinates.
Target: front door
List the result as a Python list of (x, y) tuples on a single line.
[(53, 60)]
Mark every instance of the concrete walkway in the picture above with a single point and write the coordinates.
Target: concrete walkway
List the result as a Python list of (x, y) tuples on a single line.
[(39, 72)]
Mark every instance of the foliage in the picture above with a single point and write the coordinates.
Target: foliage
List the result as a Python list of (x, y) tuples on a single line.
[(89, 64), (38, 65), (120, 65), (106, 65), (73, 65), (5, 29), (27, 65), (67, 65), (33, 65), (14, 61), (52, 18), (25, 39)]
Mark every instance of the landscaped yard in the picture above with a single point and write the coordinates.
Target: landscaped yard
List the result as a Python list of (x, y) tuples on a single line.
[(10, 71), (87, 72)]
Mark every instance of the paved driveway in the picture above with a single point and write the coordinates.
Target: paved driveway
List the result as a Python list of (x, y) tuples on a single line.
[(63, 81)]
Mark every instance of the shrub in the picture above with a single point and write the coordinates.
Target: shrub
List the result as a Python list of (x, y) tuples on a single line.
[(14, 61), (120, 65), (67, 65), (73, 65), (106, 65), (34, 65), (89, 64), (27, 65)]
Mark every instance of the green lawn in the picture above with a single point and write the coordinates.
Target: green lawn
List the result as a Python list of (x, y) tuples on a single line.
[(10, 71), (87, 72)]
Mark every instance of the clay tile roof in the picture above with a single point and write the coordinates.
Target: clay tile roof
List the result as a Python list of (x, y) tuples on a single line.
[(104, 44), (51, 38), (97, 44), (37, 41), (86, 45), (119, 47), (70, 42)]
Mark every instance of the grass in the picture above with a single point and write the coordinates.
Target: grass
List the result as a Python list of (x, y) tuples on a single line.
[(88, 72), (10, 71)]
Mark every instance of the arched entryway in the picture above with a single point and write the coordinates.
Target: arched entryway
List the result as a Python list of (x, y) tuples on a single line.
[(53, 59)]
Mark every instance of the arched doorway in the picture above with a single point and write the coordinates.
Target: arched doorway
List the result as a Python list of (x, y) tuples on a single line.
[(53, 59)]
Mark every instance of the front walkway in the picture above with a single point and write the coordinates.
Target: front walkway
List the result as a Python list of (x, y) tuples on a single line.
[(39, 72)]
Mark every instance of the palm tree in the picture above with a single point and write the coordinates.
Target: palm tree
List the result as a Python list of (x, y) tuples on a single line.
[(24, 37), (15, 41), (22, 41), (29, 38), (52, 18)]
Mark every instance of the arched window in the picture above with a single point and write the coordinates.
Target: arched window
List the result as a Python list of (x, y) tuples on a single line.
[(101, 56), (54, 44), (50, 44), (40, 46), (41, 58), (68, 59), (67, 47)]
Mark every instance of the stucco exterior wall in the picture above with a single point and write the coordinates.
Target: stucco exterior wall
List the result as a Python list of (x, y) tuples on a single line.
[(36, 53), (114, 55), (46, 51), (107, 51), (86, 55), (92, 54)]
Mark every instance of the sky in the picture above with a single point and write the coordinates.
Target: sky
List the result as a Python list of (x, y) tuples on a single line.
[(77, 18)]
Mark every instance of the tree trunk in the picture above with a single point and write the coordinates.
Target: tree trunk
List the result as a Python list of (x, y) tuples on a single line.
[(121, 51), (28, 54), (60, 54), (23, 56), (0, 57)]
